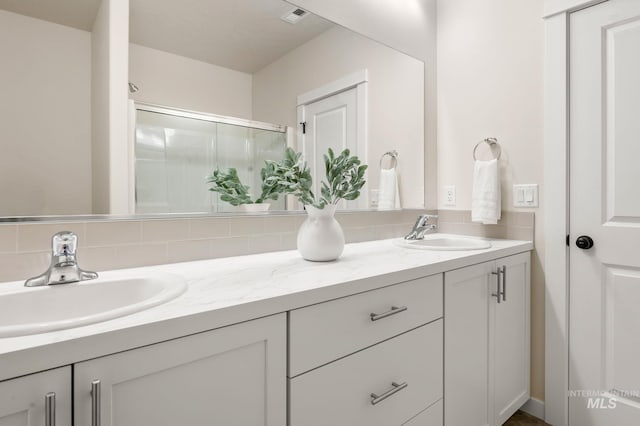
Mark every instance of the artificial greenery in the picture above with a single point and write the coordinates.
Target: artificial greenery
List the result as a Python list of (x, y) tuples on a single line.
[(231, 189), (344, 178), (292, 176)]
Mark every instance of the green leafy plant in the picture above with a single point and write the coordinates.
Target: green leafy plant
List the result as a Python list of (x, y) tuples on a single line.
[(344, 178), (234, 192)]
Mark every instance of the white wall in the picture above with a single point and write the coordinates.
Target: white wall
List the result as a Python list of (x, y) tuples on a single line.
[(45, 104), (118, 102), (173, 80), (408, 26), (100, 111), (110, 37), (490, 83), (395, 98)]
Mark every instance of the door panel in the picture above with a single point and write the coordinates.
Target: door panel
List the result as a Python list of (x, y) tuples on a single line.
[(22, 400), (605, 204), (622, 174), (466, 353), (511, 338), (233, 376), (331, 122)]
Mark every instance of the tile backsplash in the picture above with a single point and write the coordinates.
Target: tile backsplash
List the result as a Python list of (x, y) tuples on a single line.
[(102, 245), (512, 225), (116, 244)]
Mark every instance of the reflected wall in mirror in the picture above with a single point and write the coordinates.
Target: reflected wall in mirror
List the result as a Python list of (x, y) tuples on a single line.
[(229, 58)]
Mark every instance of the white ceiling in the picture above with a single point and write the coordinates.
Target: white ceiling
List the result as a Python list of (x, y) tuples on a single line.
[(244, 35), (72, 13)]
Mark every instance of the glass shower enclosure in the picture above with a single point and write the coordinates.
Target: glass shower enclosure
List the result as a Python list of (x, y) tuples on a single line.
[(175, 150)]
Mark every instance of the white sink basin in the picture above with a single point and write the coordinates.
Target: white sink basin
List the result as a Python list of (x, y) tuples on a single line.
[(41, 309), (444, 242)]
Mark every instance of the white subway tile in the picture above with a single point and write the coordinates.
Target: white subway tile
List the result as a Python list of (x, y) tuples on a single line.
[(214, 227), (264, 243), (239, 226), (232, 246), (184, 251), (37, 236), (164, 230), (113, 233), (8, 238)]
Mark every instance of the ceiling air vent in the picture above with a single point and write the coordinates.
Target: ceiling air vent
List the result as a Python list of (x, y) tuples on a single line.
[(294, 16)]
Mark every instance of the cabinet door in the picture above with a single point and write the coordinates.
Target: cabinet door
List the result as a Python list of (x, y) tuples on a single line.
[(511, 340), (22, 400), (466, 350), (231, 376)]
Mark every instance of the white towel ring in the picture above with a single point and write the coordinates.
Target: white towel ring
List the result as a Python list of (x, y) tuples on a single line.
[(491, 142), (394, 158)]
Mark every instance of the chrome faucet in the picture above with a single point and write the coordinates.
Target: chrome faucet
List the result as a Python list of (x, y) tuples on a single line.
[(64, 267), (421, 227)]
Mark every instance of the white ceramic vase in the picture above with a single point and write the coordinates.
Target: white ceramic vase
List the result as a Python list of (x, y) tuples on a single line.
[(320, 237)]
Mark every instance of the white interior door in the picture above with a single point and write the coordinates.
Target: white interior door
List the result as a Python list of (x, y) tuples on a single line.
[(331, 122), (604, 329)]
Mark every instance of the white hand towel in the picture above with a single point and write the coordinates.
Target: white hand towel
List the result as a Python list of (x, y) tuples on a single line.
[(389, 194), (485, 197)]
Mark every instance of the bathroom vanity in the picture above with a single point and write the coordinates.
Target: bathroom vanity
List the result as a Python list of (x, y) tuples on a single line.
[(384, 336)]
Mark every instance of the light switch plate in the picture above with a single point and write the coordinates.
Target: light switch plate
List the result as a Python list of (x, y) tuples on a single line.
[(525, 195), (450, 195)]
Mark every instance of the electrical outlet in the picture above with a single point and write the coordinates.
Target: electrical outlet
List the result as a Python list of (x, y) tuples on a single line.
[(450, 195)]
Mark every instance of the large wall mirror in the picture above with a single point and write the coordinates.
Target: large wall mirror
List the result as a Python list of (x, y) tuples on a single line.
[(213, 83)]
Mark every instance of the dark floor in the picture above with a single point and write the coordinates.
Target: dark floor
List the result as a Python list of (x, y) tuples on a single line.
[(523, 419)]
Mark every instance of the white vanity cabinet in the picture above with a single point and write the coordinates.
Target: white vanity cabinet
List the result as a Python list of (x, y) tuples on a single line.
[(372, 359), (385, 350), (234, 375), (487, 321), (37, 399)]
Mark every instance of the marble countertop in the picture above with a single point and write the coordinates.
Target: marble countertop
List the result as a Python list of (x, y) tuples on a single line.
[(230, 290)]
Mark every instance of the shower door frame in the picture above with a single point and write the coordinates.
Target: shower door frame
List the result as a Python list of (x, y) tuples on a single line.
[(196, 115)]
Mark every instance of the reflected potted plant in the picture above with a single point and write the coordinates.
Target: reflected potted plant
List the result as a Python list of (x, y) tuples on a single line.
[(234, 192), (320, 237)]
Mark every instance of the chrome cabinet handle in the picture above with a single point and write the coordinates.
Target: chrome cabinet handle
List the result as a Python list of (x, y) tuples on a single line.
[(394, 310), (395, 389), (50, 409), (95, 403), (504, 283), (498, 293)]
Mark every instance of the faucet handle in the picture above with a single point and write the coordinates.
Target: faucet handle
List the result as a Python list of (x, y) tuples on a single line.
[(423, 219), (64, 243)]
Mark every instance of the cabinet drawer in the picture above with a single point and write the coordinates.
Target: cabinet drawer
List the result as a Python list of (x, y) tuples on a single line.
[(339, 394), (322, 333), (432, 416)]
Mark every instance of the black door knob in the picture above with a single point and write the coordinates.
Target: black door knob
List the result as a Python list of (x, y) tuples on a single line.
[(584, 242)]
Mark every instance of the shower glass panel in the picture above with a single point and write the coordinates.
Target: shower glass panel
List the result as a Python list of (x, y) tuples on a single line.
[(174, 154)]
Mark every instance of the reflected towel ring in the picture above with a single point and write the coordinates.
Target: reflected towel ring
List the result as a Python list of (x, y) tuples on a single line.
[(491, 142), (394, 158)]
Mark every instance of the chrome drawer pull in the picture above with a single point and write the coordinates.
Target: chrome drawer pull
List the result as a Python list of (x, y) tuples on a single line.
[(499, 292), (504, 283), (95, 403), (395, 389), (50, 409), (394, 310)]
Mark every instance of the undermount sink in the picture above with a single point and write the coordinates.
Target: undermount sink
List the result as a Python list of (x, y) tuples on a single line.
[(444, 242), (55, 307)]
